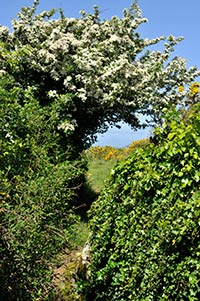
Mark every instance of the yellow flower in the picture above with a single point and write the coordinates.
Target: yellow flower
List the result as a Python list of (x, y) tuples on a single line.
[(194, 88), (173, 242), (181, 89)]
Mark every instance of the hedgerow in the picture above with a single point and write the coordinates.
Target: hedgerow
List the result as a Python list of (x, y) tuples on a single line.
[(61, 82), (39, 189), (145, 224)]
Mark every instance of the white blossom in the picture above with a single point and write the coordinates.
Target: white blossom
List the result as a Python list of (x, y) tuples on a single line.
[(67, 126), (2, 72), (4, 31), (9, 137), (53, 94), (46, 56), (103, 63)]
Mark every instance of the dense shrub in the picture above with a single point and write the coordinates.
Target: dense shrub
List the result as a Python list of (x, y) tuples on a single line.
[(36, 217), (39, 188), (145, 224)]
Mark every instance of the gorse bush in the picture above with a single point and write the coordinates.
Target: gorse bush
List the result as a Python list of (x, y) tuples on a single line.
[(109, 152), (145, 224), (136, 144)]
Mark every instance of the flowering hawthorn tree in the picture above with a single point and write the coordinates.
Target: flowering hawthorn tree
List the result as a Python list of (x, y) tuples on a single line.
[(99, 72)]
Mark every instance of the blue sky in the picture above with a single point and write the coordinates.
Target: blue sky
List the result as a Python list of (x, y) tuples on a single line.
[(176, 17)]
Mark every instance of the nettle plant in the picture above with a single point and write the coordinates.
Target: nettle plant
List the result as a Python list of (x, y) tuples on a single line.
[(104, 65), (145, 225)]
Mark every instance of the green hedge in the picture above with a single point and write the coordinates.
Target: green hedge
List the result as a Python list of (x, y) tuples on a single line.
[(35, 225), (145, 225), (39, 189)]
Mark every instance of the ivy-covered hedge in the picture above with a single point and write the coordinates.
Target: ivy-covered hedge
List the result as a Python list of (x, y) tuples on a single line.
[(145, 226)]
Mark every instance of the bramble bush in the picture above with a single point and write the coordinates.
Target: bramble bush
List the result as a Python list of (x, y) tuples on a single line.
[(145, 224)]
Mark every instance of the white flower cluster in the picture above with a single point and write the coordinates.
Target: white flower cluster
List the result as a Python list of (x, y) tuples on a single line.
[(67, 127), (53, 94), (106, 64), (4, 32)]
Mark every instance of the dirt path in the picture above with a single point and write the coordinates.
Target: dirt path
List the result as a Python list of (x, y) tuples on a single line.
[(65, 274)]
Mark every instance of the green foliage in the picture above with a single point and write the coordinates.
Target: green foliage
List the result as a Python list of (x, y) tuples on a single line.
[(145, 224), (40, 185)]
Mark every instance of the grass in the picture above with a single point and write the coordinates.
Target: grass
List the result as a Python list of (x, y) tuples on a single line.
[(79, 234), (99, 170)]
